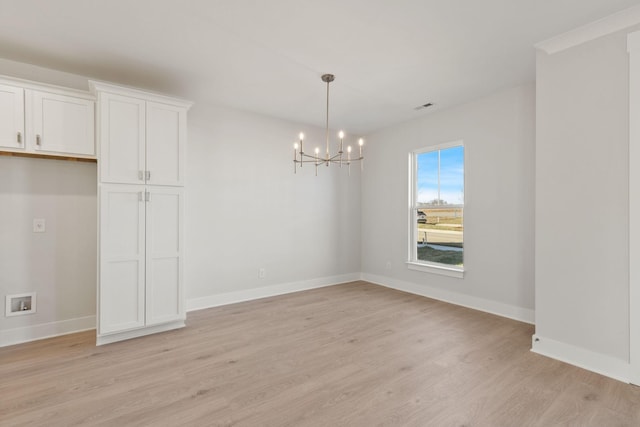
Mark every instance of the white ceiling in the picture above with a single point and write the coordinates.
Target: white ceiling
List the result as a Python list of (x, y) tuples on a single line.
[(267, 56)]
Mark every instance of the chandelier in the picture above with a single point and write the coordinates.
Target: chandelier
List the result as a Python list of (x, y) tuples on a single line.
[(300, 157)]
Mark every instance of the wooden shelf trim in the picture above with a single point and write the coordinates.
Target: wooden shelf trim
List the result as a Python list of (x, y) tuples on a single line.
[(47, 156)]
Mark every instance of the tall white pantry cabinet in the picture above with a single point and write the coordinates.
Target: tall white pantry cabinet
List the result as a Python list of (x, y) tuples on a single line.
[(141, 166)]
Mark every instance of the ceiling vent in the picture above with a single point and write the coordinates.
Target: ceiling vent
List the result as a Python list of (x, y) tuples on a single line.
[(420, 107)]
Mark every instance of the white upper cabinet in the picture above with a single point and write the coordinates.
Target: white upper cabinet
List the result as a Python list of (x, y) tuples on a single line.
[(12, 117), (166, 138), (142, 136), (46, 120), (122, 139), (61, 124)]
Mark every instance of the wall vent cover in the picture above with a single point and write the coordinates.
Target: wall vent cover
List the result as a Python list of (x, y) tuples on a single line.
[(16, 305)]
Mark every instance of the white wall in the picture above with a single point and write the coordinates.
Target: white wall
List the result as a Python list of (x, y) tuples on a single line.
[(498, 132), (59, 264), (247, 210), (582, 265)]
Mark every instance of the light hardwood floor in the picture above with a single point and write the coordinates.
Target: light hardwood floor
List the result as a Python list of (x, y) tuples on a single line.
[(346, 355)]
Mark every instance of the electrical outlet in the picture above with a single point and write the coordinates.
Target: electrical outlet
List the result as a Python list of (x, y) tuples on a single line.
[(262, 273), (388, 265), (39, 225)]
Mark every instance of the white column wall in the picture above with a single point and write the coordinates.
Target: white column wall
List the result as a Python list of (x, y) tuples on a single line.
[(582, 203)]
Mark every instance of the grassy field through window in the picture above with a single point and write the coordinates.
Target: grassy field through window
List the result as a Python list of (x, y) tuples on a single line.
[(440, 235), (438, 200)]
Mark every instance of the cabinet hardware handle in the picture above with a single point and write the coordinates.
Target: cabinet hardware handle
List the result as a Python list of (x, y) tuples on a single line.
[(19, 137), (140, 176), (38, 140), (147, 196), (140, 196), (148, 174)]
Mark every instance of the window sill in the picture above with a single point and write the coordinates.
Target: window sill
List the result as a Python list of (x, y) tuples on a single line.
[(436, 269)]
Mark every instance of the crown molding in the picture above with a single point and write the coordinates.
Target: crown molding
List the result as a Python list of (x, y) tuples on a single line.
[(96, 87), (30, 84), (610, 24)]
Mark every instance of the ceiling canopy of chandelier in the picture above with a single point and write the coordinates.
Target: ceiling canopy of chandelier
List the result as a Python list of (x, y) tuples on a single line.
[(300, 157)]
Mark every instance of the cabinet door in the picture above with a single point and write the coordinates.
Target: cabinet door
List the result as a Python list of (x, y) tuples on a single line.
[(61, 124), (12, 117), (164, 282), (122, 139), (122, 258), (166, 141)]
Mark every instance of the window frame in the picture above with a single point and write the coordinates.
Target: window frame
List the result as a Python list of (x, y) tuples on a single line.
[(413, 263)]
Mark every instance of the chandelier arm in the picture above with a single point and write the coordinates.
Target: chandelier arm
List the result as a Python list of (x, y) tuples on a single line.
[(321, 160), (312, 160), (310, 156), (336, 159)]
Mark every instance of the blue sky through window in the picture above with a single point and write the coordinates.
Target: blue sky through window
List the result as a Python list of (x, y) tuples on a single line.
[(451, 176)]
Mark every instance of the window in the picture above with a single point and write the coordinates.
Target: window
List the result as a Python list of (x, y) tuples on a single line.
[(437, 209)]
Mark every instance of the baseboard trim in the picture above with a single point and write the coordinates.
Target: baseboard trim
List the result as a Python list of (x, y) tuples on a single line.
[(599, 363), (504, 310), (46, 330), (136, 333), (267, 291)]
